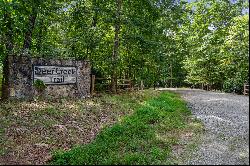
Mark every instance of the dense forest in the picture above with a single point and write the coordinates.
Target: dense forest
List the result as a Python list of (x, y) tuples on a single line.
[(171, 43)]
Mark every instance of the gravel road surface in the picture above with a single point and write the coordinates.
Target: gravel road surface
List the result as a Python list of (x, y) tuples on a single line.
[(226, 120)]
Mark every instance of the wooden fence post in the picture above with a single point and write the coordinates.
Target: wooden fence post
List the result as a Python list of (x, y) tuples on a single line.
[(246, 89), (92, 84), (130, 85), (142, 85)]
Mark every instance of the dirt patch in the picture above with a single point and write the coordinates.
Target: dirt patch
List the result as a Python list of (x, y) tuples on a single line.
[(31, 131)]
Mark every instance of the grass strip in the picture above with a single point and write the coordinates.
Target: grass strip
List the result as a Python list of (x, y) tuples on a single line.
[(141, 138)]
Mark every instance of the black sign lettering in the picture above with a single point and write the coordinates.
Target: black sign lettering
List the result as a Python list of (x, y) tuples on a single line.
[(55, 74)]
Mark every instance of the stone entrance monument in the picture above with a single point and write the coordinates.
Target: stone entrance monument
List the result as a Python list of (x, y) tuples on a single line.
[(61, 77)]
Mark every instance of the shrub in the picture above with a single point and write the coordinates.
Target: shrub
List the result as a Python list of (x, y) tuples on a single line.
[(39, 85), (233, 85)]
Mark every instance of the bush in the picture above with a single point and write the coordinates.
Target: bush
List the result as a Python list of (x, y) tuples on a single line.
[(233, 85), (39, 85)]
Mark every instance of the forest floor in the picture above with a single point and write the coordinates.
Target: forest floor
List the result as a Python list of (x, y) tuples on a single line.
[(31, 130), (226, 120), (153, 122)]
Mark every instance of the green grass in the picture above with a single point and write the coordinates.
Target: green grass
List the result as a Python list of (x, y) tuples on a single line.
[(58, 123), (139, 127), (144, 137)]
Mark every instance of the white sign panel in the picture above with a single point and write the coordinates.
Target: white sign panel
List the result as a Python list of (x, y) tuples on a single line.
[(55, 74)]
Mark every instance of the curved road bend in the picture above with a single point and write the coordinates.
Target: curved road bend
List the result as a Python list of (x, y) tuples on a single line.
[(226, 120)]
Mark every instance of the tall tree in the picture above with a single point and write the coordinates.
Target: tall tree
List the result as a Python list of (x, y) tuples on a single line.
[(30, 26), (8, 36), (115, 53)]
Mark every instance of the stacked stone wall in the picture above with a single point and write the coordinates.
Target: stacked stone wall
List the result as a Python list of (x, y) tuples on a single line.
[(21, 78)]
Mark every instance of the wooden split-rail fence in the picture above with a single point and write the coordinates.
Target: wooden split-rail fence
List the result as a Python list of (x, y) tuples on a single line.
[(125, 84), (246, 89)]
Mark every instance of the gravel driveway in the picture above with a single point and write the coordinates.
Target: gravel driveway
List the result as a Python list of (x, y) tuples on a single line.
[(226, 120)]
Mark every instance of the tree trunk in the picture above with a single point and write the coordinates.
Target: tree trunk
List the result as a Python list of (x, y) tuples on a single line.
[(116, 47), (171, 76), (42, 32), (94, 21), (28, 34), (9, 46)]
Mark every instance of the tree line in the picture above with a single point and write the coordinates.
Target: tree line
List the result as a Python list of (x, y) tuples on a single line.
[(162, 42)]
